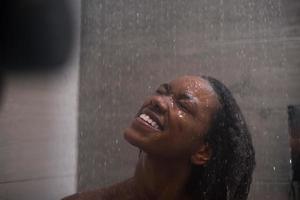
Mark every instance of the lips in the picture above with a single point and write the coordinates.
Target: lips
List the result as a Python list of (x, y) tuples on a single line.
[(151, 118)]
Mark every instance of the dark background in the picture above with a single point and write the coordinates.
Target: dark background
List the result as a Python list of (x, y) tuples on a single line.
[(35, 35)]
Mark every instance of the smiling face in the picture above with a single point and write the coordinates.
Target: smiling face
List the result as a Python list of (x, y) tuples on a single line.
[(172, 122)]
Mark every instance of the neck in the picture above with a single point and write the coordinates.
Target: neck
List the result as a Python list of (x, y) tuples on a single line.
[(161, 179)]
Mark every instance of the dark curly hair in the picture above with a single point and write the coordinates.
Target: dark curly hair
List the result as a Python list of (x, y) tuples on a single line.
[(228, 174)]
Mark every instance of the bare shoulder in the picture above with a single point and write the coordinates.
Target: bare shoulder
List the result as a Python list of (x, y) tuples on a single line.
[(115, 192)]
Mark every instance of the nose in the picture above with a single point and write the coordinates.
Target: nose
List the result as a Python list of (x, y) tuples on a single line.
[(159, 104)]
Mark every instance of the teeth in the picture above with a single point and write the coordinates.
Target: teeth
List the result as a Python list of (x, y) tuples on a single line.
[(149, 120)]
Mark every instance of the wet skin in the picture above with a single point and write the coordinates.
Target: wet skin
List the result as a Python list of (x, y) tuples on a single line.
[(183, 109), (181, 113)]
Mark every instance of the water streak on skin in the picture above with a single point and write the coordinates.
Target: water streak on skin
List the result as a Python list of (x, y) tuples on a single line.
[(180, 114)]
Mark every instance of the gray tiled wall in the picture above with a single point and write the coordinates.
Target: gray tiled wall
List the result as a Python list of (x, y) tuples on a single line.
[(130, 46)]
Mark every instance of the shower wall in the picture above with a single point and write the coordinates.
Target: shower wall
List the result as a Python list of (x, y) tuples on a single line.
[(129, 47)]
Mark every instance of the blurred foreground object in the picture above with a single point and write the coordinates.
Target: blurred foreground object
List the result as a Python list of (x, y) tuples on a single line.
[(294, 130), (35, 34)]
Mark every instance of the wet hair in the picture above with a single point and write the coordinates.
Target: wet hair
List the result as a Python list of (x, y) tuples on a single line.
[(228, 173)]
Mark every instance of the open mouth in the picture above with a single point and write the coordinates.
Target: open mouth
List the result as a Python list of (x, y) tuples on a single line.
[(150, 121)]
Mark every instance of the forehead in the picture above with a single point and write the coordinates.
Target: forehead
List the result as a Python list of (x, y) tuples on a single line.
[(198, 88), (192, 84)]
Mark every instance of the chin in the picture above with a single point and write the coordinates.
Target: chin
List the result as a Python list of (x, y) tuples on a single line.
[(137, 139), (131, 136)]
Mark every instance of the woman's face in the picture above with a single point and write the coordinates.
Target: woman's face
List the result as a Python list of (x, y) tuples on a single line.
[(172, 122)]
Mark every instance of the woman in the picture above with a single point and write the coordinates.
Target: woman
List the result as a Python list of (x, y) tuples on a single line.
[(194, 144)]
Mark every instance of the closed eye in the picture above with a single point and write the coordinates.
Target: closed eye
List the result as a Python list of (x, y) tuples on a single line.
[(187, 103), (183, 104)]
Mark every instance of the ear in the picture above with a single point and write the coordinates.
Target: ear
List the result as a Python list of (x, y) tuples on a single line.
[(202, 155)]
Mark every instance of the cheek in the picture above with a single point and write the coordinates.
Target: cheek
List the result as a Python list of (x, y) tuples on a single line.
[(185, 123), (181, 114), (185, 129), (181, 123)]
